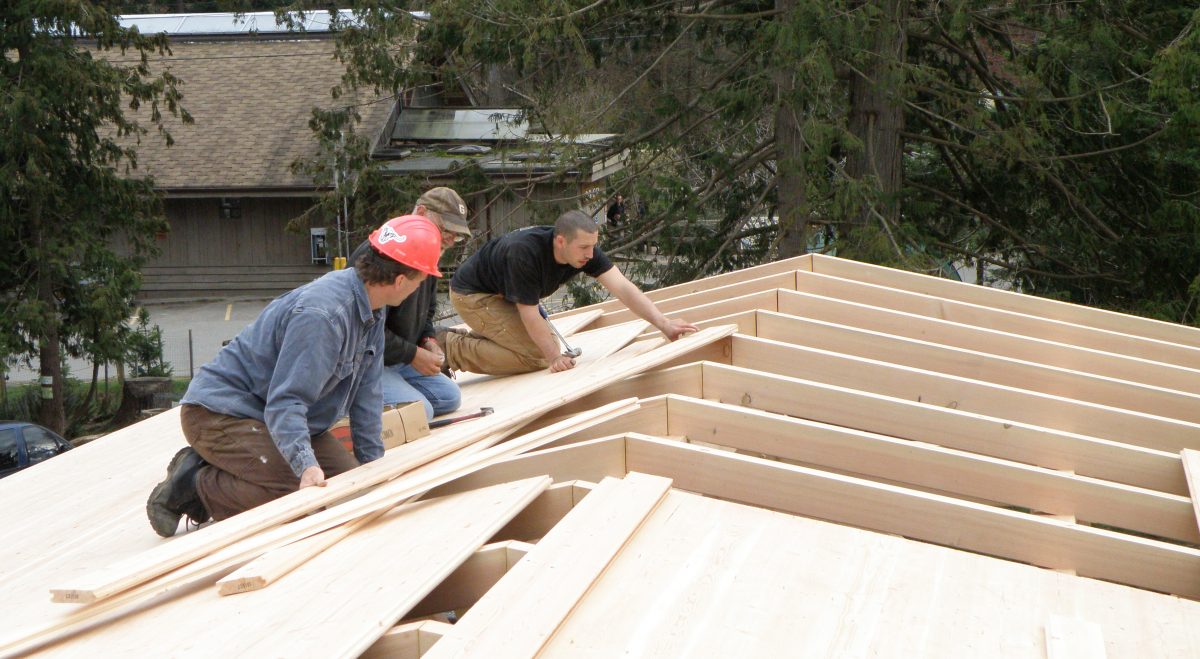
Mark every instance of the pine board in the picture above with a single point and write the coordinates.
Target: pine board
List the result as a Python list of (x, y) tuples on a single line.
[(1001, 299), (711, 578), (1003, 320), (519, 613), (335, 605), (999, 401), (977, 365), (982, 339)]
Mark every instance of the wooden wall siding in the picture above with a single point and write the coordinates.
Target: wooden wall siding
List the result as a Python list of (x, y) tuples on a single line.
[(539, 204), (200, 237)]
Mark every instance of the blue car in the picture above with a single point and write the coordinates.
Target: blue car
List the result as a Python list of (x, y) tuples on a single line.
[(25, 444)]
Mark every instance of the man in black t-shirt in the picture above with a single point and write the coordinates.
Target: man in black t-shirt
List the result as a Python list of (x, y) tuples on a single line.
[(497, 290)]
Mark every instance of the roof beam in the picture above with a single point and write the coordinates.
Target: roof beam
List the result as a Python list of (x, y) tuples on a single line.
[(936, 468), (1042, 541), (957, 429), (898, 323), (1003, 320), (709, 296), (955, 392), (802, 262), (1001, 299), (978, 365)]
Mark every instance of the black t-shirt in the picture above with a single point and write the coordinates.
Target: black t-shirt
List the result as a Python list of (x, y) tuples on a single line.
[(520, 266)]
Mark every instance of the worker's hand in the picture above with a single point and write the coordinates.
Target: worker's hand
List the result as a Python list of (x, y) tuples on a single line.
[(427, 362), (562, 363), (312, 476), (676, 328)]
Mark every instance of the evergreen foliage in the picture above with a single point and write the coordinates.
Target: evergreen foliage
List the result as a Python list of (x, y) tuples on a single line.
[(75, 220)]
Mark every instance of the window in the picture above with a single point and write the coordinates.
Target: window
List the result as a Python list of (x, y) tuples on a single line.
[(40, 444), (8, 449)]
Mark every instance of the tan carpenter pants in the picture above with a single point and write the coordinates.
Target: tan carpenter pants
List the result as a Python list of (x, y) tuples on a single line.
[(245, 469), (498, 343)]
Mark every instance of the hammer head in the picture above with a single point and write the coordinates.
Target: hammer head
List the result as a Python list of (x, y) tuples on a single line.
[(486, 411), (573, 353)]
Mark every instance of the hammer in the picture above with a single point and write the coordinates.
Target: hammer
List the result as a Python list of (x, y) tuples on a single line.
[(483, 411), (569, 352)]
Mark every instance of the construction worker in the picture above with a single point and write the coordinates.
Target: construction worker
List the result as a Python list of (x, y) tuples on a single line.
[(257, 416), (498, 289), (412, 358)]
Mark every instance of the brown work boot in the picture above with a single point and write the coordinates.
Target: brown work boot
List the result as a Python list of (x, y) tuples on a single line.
[(441, 334), (176, 496)]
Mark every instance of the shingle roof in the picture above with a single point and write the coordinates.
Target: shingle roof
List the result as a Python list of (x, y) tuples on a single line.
[(251, 101)]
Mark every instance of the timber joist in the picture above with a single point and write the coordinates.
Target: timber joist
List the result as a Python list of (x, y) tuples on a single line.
[(848, 461)]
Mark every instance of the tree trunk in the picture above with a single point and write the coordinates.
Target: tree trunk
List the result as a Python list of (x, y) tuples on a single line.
[(499, 79), (789, 146), (50, 411), (877, 114)]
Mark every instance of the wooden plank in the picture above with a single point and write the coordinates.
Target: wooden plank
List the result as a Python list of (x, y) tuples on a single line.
[(1191, 468), (361, 590), (1075, 358), (802, 262), (712, 578), (472, 579), (958, 429), (1003, 320), (272, 565), (1000, 299), (999, 401), (1073, 638), (745, 321), (407, 641), (517, 616), (544, 512), (275, 564), (935, 468), (979, 366), (538, 397), (681, 306), (592, 460), (60, 621), (726, 307), (650, 414), (683, 379), (943, 520)]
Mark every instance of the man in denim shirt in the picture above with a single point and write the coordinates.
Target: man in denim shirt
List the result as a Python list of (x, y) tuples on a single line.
[(257, 416)]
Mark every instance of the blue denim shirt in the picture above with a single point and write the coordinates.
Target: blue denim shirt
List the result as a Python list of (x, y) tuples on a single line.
[(312, 356)]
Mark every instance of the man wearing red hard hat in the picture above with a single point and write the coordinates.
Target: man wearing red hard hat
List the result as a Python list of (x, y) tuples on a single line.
[(257, 416)]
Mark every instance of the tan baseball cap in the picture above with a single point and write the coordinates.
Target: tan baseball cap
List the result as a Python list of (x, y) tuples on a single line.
[(449, 206)]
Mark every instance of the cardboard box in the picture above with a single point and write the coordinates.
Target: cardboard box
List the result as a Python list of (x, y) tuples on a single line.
[(401, 423)]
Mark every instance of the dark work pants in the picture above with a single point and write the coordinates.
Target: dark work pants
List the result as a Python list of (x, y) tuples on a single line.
[(245, 469)]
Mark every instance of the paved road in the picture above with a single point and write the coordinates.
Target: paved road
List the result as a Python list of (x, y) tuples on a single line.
[(208, 323), (205, 325)]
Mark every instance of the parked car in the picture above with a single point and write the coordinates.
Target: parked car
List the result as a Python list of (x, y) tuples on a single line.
[(24, 444)]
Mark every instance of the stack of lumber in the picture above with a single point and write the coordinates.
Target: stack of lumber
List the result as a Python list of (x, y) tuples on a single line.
[(847, 461)]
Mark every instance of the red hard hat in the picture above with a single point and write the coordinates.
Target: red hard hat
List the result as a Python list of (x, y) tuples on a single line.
[(412, 240)]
